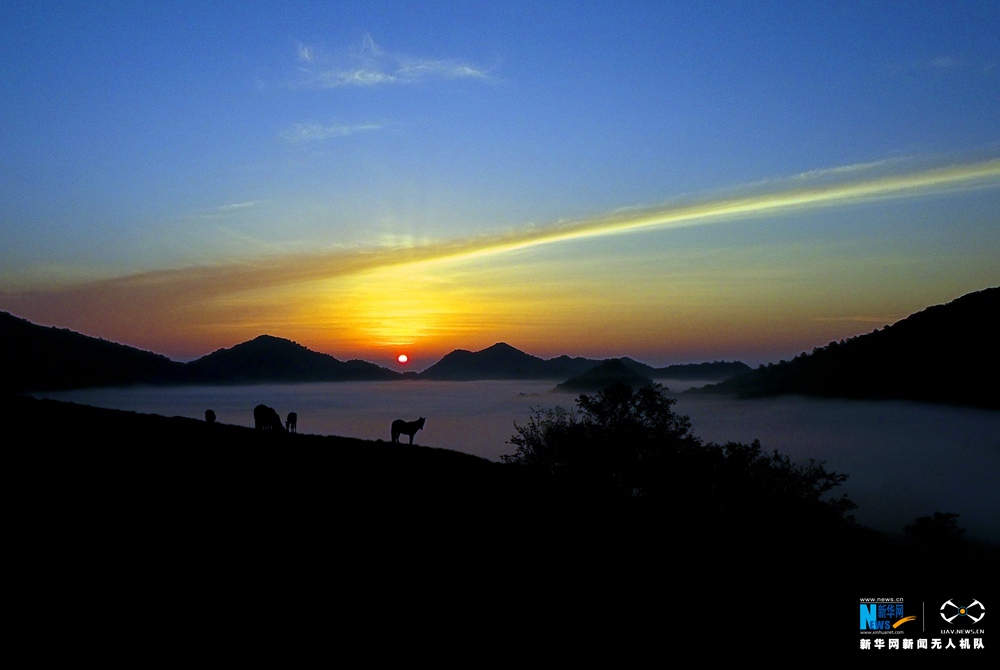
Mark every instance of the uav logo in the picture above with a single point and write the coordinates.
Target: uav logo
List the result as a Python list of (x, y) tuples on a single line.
[(970, 611), (880, 616)]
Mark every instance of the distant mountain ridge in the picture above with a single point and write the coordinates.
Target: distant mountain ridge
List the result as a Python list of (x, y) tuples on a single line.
[(700, 371), (273, 359), (502, 361), (944, 354), (41, 358), (605, 374)]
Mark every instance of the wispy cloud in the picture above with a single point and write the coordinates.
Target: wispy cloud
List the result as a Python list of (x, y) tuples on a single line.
[(842, 170), (315, 132), (944, 62), (239, 205), (223, 211), (370, 65)]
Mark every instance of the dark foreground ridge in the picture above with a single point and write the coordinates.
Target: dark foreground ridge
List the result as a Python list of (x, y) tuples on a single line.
[(210, 524)]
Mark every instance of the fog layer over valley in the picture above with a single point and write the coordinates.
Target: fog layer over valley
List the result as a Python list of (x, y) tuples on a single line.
[(903, 459)]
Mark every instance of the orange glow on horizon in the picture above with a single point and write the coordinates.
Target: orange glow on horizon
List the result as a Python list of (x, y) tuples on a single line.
[(569, 288)]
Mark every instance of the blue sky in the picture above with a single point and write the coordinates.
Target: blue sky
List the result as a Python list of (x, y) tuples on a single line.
[(369, 178)]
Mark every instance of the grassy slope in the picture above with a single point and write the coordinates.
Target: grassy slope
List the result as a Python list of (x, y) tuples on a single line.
[(199, 525)]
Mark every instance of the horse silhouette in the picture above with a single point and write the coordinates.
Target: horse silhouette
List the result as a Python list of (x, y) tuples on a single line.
[(291, 423), (209, 416), (400, 427), (265, 418)]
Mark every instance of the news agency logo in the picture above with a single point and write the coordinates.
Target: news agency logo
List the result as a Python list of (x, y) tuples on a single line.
[(883, 615), (974, 610)]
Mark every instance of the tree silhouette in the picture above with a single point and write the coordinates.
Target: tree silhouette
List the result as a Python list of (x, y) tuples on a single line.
[(615, 442), (940, 531), (631, 445)]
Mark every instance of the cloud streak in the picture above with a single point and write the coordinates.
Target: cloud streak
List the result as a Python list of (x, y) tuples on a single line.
[(238, 206), (167, 299), (778, 201), (985, 174), (371, 66)]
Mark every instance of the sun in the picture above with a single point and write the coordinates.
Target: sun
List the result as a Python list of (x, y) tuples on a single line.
[(402, 358)]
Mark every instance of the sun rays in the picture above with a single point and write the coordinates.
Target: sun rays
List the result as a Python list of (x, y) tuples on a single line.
[(448, 291)]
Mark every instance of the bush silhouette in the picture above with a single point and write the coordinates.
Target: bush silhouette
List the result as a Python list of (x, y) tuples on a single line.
[(616, 441), (630, 445), (940, 531)]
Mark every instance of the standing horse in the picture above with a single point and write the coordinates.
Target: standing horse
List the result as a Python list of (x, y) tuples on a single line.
[(265, 418), (291, 423), (400, 427)]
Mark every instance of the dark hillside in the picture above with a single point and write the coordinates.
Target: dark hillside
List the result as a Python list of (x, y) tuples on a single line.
[(37, 357), (179, 493), (943, 354), (180, 527), (714, 370)]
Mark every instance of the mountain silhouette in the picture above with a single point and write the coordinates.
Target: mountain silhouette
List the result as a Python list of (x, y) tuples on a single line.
[(943, 354), (502, 361), (605, 374), (274, 359), (717, 370), (43, 358)]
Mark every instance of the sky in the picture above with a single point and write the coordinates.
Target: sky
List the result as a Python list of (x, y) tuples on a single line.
[(671, 181)]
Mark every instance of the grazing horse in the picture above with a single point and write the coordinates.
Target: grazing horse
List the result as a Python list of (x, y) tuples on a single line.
[(400, 427), (291, 422), (265, 418)]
